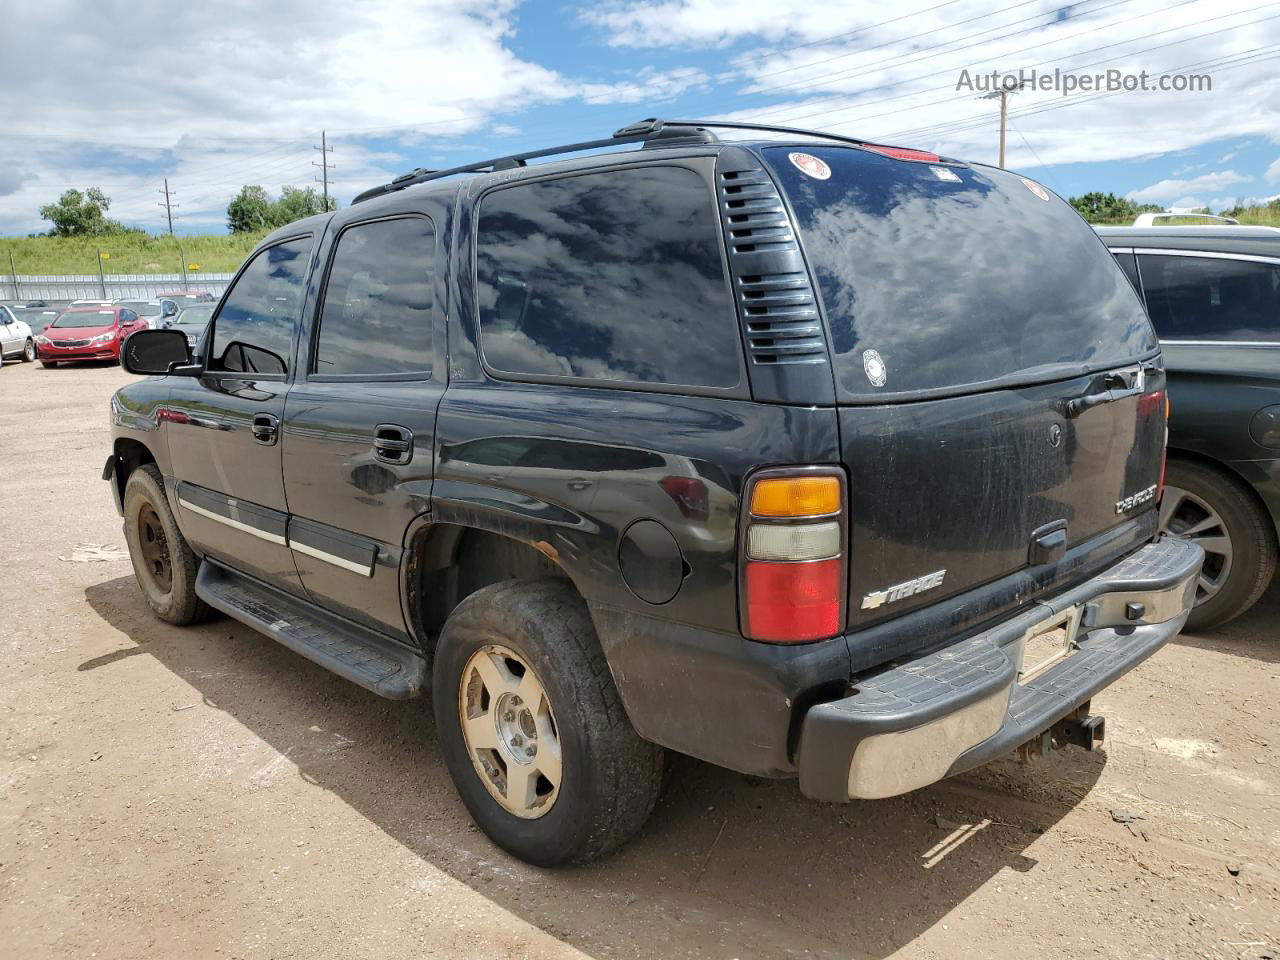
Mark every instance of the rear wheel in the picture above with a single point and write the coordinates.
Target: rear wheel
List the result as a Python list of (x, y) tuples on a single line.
[(29, 351), (1216, 511), (163, 562), (532, 728)]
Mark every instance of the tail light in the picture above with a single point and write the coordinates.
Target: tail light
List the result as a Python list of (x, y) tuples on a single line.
[(902, 153), (1150, 404), (793, 563)]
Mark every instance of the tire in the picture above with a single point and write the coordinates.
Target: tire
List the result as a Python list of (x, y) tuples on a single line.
[(29, 352), (1212, 508), (609, 777), (151, 531)]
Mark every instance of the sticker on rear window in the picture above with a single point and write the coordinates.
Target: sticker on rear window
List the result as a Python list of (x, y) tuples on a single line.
[(810, 165), (942, 173), (873, 364), (1035, 188)]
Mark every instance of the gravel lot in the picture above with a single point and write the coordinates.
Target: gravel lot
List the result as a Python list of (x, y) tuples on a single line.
[(204, 792)]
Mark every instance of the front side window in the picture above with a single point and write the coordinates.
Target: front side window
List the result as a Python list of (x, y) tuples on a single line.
[(253, 332), (376, 318), (1212, 298), (613, 276)]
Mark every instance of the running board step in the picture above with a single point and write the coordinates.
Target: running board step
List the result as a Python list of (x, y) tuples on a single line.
[(366, 658)]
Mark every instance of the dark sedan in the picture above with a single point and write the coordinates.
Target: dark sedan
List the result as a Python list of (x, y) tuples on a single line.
[(1213, 293)]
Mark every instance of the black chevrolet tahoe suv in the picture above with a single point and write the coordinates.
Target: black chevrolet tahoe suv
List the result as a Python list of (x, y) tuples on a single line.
[(808, 457)]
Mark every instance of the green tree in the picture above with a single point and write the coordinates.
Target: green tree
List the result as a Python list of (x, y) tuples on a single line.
[(1097, 207), (249, 210), (296, 203), (79, 214), (253, 209)]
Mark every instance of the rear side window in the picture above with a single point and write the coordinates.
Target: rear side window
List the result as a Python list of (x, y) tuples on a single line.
[(253, 332), (1212, 298), (376, 318), (941, 278), (612, 276)]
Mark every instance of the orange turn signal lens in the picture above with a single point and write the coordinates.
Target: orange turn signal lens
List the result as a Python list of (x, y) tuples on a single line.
[(795, 496)]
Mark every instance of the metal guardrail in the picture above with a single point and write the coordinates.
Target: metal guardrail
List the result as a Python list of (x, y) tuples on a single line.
[(141, 286)]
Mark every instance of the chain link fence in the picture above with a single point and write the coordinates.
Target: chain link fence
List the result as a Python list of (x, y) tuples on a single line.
[(142, 286)]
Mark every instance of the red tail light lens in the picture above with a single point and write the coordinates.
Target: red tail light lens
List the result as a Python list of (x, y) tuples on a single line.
[(903, 153), (794, 602), (793, 576)]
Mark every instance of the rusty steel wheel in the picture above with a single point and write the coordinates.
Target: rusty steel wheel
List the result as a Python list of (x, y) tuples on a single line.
[(155, 549)]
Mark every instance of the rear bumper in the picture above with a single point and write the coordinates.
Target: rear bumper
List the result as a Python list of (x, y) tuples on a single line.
[(962, 706)]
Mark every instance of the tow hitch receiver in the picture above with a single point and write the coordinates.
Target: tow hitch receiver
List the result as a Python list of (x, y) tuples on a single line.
[(1079, 728)]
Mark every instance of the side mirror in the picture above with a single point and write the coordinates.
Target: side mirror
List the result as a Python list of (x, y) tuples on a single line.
[(161, 352)]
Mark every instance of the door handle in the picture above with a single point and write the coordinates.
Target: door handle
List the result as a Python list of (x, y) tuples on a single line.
[(265, 428), (392, 443)]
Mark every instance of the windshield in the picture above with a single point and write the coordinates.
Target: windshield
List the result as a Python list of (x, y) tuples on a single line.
[(85, 318), (194, 316), (144, 308), (940, 277)]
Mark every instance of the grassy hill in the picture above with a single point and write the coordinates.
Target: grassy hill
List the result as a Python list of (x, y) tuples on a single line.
[(127, 253)]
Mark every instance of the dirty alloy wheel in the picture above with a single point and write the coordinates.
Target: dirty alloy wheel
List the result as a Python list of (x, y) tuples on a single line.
[(532, 727), (163, 563), (1214, 510), (29, 352)]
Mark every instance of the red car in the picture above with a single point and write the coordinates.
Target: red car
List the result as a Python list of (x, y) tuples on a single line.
[(87, 333)]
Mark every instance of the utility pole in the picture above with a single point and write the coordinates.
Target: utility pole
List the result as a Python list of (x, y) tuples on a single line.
[(168, 203), (13, 272), (1003, 94), (324, 165)]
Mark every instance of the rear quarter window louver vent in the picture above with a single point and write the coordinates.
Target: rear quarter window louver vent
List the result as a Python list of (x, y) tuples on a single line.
[(775, 299)]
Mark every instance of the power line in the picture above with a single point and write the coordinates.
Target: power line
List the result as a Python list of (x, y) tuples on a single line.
[(1173, 43), (872, 67), (168, 204), (916, 36), (1222, 64)]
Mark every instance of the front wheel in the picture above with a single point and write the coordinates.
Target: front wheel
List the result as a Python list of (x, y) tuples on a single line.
[(29, 351), (1208, 507), (532, 727), (163, 562)]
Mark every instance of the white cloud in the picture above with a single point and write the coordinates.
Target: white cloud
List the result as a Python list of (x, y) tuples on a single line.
[(1273, 173), (1165, 190), (215, 95), (1184, 204), (895, 77)]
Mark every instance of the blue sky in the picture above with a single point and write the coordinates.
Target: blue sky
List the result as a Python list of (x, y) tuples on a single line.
[(226, 93)]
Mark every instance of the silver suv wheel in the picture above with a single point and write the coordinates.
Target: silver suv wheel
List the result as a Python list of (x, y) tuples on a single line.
[(510, 731)]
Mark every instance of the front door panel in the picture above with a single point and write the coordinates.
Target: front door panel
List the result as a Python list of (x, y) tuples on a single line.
[(230, 491)]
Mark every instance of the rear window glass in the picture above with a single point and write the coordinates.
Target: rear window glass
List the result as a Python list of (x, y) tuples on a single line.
[(955, 276), (1212, 298), (613, 276)]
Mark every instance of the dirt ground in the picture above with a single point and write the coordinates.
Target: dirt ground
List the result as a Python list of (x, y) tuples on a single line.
[(204, 792)]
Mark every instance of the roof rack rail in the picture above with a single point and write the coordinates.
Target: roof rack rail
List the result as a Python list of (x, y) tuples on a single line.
[(651, 132), (644, 131)]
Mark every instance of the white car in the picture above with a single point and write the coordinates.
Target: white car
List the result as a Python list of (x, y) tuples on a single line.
[(16, 341)]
